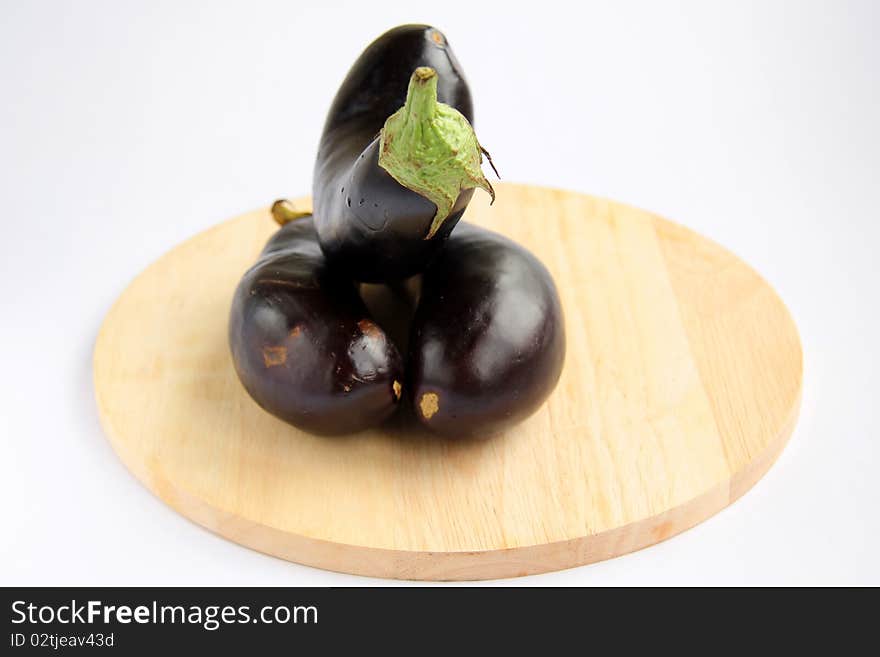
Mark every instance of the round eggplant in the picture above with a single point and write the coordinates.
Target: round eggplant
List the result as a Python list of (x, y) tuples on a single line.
[(304, 344), (398, 160), (487, 341)]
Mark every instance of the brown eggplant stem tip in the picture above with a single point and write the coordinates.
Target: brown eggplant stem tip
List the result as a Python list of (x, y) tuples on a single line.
[(283, 212)]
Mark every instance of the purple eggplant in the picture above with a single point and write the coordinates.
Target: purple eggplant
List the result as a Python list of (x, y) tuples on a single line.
[(303, 343), (487, 342), (398, 160)]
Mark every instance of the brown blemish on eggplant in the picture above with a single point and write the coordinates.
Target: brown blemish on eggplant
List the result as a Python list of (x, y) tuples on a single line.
[(295, 331), (429, 404), (293, 285), (368, 328), (397, 388), (274, 356)]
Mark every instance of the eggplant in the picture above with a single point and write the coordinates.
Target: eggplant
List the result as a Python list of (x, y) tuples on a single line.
[(304, 345), (398, 160), (487, 341)]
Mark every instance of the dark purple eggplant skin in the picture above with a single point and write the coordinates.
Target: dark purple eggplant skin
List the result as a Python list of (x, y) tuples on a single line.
[(369, 225), (305, 346), (487, 342)]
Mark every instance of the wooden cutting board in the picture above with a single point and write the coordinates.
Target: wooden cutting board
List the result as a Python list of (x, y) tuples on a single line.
[(681, 386)]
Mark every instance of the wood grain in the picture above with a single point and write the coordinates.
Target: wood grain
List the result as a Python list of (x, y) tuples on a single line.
[(681, 386)]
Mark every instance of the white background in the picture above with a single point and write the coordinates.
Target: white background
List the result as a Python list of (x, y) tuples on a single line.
[(128, 127)]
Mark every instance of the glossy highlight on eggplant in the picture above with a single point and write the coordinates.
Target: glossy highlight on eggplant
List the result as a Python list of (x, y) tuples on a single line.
[(369, 225), (487, 342), (304, 345)]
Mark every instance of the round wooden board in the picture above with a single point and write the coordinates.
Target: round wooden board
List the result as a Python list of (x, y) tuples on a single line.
[(681, 386)]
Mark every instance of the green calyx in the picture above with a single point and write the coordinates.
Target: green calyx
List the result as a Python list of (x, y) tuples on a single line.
[(430, 148)]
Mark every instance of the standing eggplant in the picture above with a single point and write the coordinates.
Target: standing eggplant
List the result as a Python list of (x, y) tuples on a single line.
[(395, 167), (303, 343), (487, 341)]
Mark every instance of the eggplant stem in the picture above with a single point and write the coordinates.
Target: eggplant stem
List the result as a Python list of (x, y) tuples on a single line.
[(431, 149), (283, 212)]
